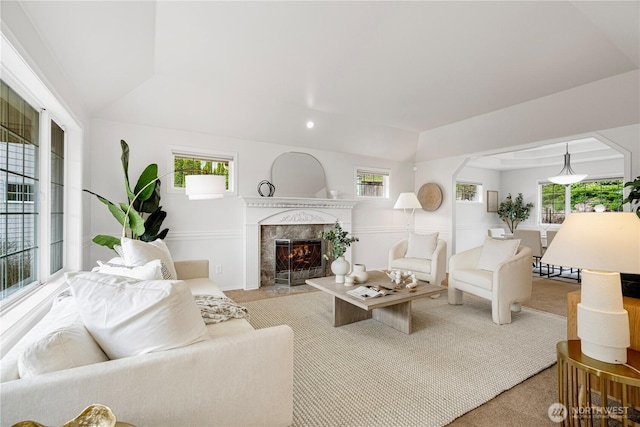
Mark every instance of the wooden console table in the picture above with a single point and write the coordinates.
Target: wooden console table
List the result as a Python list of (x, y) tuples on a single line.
[(581, 380), (632, 305)]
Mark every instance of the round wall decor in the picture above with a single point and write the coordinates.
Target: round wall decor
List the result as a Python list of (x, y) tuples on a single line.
[(430, 196)]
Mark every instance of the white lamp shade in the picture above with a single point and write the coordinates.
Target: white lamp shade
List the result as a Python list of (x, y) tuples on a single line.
[(407, 201), (604, 241), (567, 179), (201, 187)]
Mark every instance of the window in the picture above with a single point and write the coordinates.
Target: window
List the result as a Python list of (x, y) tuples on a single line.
[(468, 192), (579, 197), (372, 183), (19, 152), (217, 163), (57, 198)]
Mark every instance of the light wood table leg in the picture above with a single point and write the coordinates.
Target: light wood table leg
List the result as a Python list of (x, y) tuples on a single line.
[(397, 316), (345, 313)]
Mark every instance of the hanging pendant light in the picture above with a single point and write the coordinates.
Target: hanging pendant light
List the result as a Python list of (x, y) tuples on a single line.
[(567, 175)]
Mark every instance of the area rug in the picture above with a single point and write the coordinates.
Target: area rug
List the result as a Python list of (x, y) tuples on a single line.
[(368, 374)]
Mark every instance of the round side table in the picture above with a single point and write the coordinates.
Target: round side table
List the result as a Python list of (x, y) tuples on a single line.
[(594, 391)]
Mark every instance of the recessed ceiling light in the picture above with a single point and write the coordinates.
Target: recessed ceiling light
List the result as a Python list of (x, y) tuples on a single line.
[(310, 124)]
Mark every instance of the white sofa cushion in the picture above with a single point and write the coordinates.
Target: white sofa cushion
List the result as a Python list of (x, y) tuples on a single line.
[(137, 252), (412, 264), (67, 346), (495, 252), (149, 271), (63, 314), (421, 245), (128, 317)]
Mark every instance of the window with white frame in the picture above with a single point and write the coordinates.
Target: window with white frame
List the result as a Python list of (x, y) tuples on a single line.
[(371, 182), (556, 199), (190, 162), (19, 156), (468, 192)]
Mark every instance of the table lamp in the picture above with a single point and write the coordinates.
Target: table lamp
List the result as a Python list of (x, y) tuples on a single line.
[(408, 201), (602, 244)]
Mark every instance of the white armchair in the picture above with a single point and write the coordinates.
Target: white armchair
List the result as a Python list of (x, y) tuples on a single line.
[(432, 270), (507, 286)]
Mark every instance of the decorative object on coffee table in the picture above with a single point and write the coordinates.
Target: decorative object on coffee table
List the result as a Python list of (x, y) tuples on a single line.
[(339, 241), (360, 273)]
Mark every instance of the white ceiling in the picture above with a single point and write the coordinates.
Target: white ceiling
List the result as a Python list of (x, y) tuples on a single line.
[(372, 75)]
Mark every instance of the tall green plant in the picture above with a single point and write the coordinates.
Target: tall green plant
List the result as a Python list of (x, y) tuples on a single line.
[(147, 204), (513, 212), (634, 195)]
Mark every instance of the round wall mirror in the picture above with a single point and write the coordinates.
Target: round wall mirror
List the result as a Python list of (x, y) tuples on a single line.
[(298, 175)]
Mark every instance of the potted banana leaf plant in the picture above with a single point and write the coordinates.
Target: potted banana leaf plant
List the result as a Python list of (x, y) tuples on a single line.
[(146, 215)]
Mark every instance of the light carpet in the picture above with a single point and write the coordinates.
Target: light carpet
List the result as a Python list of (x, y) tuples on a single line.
[(367, 373)]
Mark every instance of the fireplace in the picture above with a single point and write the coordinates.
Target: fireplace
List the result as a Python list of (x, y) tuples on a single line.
[(297, 260), (271, 218)]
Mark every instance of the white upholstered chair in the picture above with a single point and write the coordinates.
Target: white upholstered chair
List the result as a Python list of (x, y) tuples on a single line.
[(425, 255), (493, 273)]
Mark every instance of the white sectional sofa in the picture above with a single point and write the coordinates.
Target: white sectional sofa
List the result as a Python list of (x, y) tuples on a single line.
[(239, 376)]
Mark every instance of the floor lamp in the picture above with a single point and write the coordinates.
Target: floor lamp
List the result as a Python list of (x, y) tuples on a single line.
[(603, 245), (408, 202)]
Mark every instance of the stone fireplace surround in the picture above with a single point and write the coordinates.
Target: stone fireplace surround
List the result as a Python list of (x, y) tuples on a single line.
[(264, 217)]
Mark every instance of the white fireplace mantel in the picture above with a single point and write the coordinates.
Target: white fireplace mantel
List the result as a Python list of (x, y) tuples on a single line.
[(285, 211)]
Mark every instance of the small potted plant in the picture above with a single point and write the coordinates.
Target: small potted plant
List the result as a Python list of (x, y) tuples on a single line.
[(339, 241), (513, 212)]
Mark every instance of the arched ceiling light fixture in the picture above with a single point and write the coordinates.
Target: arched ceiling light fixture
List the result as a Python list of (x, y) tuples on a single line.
[(567, 175)]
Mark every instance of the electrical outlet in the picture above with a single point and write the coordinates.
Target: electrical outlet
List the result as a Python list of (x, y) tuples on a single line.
[(218, 269)]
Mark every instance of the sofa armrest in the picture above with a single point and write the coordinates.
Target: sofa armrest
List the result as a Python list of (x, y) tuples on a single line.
[(512, 279), (192, 269), (244, 379)]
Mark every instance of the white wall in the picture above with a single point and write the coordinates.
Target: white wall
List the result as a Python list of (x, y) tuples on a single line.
[(472, 219), (214, 229)]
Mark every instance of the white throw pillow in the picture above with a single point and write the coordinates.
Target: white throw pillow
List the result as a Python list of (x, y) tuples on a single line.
[(150, 271), (68, 346), (137, 252), (421, 245), (496, 252), (128, 317), (63, 312)]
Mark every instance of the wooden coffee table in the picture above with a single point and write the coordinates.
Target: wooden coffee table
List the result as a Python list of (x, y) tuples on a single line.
[(393, 310)]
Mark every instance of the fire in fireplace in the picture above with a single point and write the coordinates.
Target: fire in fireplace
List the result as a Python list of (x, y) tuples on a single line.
[(298, 260)]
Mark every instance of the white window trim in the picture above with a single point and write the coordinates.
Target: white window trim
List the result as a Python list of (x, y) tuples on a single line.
[(380, 171), (20, 311), (480, 186), (176, 150)]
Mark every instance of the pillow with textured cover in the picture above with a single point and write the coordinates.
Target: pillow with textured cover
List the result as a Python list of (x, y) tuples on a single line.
[(61, 321), (67, 346), (128, 317), (421, 245), (495, 252), (137, 252)]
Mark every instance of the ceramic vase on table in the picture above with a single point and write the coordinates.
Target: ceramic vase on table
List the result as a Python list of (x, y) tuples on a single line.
[(340, 267), (360, 273)]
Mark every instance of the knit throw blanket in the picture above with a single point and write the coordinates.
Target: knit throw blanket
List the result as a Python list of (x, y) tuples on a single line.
[(213, 309), (218, 309)]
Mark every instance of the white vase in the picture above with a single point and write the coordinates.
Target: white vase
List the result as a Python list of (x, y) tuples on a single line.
[(340, 267), (360, 273)]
